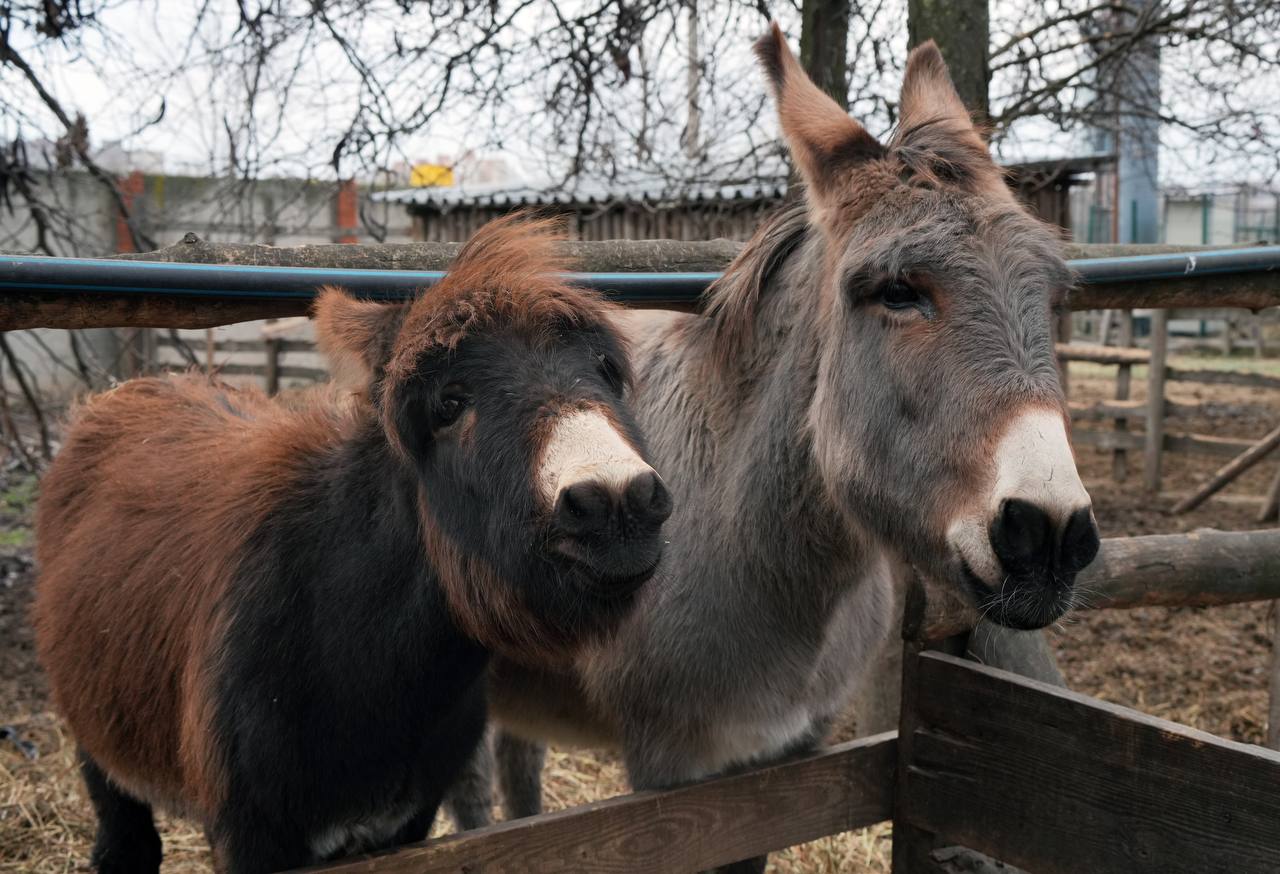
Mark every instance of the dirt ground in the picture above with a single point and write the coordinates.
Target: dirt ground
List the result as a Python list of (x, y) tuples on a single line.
[(1203, 667)]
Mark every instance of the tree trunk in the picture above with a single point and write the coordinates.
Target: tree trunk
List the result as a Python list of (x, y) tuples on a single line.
[(824, 44), (961, 28)]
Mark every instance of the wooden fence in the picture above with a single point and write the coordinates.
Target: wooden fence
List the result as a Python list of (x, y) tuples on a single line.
[(1156, 411), (983, 760)]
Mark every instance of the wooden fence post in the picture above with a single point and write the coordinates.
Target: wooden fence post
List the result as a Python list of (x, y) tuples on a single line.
[(1120, 455), (210, 349), (911, 846), (272, 348), (1271, 506), (1273, 692), (1155, 398), (916, 850), (1062, 332)]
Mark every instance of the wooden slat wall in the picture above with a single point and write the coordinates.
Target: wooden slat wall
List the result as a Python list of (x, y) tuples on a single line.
[(1059, 783), (730, 220)]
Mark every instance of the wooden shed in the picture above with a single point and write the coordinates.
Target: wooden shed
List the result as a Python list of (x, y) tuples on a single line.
[(647, 209)]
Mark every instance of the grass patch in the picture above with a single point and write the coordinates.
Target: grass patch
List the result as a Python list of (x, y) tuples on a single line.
[(18, 538), (18, 495)]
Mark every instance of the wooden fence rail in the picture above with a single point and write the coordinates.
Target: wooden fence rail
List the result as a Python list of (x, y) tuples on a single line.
[(1053, 781), (1028, 773), (1155, 411), (717, 822)]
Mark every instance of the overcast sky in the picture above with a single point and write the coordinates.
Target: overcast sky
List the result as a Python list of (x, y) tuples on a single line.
[(102, 79)]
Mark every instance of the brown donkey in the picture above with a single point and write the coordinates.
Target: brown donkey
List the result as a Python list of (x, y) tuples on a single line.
[(276, 620), (873, 384)]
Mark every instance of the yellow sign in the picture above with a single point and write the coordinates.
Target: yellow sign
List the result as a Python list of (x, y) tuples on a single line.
[(430, 175)]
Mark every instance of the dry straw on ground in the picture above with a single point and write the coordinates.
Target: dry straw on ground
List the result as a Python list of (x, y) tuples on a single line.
[(1202, 667)]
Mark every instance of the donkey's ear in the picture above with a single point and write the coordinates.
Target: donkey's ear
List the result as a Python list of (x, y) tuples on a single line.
[(927, 90), (357, 336), (823, 139), (936, 134)]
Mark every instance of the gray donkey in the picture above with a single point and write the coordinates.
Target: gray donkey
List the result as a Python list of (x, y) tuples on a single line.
[(872, 385)]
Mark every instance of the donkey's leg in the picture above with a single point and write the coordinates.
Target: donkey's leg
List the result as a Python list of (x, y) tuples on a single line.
[(470, 799), (250, 838), (127, 840), (520, 775)]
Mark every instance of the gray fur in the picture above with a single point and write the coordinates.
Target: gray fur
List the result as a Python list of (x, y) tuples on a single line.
[(805, 471), (815, 443)]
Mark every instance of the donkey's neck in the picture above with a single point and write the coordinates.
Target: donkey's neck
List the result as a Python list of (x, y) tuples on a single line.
[(758, 491)]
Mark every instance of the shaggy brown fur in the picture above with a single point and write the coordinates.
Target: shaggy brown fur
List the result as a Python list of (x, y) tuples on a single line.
[(202, 549), (148, 680)]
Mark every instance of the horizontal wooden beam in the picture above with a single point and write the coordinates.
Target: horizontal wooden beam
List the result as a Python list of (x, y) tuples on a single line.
[(1102, 354), (1201, 569), (1200, 444), (724, 820), (1102, 411), (1223, 377), (1058, 783), (258, 346)]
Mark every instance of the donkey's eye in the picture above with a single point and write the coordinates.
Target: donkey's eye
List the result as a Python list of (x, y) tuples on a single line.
[(453, 402), (611, 372), (899, 295)]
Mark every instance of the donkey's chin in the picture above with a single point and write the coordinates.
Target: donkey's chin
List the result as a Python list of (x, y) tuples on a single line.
[(607, 575), (1021, 603)]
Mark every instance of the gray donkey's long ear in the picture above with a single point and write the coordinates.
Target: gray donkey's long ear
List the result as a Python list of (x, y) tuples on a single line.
[(936, 136), (824, 141), (927, 89)]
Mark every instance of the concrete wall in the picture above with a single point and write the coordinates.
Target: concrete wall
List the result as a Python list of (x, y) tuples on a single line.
[(282, 212)]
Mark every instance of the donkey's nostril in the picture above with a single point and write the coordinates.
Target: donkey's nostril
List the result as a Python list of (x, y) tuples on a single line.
[(647, 499), (583, 508), (1022, 536), (1026, 540), (1080, 542), (589, 507)]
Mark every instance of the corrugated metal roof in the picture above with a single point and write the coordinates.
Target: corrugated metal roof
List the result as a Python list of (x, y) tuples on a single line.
[(652, 189), (585, 193)]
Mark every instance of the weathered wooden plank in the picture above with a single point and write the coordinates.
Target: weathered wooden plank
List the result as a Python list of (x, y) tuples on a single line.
[(1202, 444), (1100, 411), (1053, 781), (1230, 471), (1273, 683), (248, 345), (622, 256), (283, 371), (690, 829), (1156, 373), (1223, 377), (1120, 457), (73, 311), (1102, 354), (1200, 569)]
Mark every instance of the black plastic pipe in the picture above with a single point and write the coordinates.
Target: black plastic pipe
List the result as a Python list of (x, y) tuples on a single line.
[(31, 274)]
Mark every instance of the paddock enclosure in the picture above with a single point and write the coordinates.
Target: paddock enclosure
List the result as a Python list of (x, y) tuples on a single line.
[(983, 760)]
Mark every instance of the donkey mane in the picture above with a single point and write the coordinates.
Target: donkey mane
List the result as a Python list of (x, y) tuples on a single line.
[(732, 302)]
